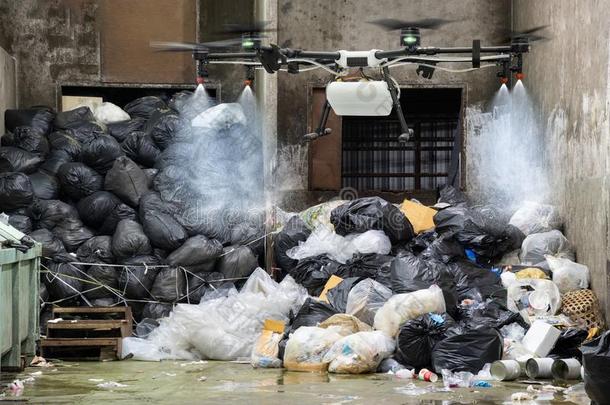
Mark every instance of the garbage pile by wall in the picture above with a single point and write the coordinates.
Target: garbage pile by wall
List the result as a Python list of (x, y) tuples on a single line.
[(155, 203)]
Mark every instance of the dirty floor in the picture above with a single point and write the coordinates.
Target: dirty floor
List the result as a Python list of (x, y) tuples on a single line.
[(214, 382)]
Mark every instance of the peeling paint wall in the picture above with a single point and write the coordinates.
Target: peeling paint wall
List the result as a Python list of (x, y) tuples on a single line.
[(342, 24), (569, 77)]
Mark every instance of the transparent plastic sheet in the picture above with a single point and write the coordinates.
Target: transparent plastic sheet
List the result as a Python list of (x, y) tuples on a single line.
[(324, 241), (365, 299), (545, 298), (319, 215), (307, 347), (568, 275), (347, 324), (224, 328), (266, 350), (359, 353), (533, 217), (108, 113), (538, 245), (403, 307)]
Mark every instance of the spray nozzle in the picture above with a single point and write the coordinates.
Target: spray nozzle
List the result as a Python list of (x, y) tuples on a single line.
[(504, 80), (519, 75)]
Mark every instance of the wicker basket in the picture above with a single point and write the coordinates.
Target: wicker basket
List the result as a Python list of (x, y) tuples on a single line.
[(583, 306)]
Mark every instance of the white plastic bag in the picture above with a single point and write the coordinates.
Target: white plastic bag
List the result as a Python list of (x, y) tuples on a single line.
[(366, 298), (307, 347), (359, 353), (534, 217), (568, 276), (266, 349), (222, 116), (403, 307), (373, 241), (536, 296), (108, 113), (537, 245)]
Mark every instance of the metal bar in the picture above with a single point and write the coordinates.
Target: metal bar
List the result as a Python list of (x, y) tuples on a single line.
[(417, 158), (435, 51), (394, 174)]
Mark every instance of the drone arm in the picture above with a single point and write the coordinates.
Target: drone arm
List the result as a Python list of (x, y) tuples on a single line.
[(435, 51), (406, 131)]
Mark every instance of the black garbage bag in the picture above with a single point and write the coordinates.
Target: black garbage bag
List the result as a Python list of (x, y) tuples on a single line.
[(468, 351), (311, 313), (21, 160), (151, 201), (568, 344), (476, 282), (51, 244), (368, 213), (129, 240), (120, 212), (5, 166), (451, 195), (150, 176), (22, 223), (294, 231), (417, 337), (15, 191), (163, 127), (96, 250), (250, 233), (140, 148), (175, 154), (95, 209), (7, 139), (44, 185), (195, 250), (78, 180), (489, 313), (175, 184), (144, 107), (38, 118), (411, 273), (135, 279), (169, 285), (54, 161), (313, 272), (163, 230), (337, 296), (72, 233), (63, 279), (370, 265), (50, 213), (596, 357), (103, 281), (444, 249), (29, 139), (101, 152), (421, 242), (155, 310), (126, 180), (205, 286), (213, 223), (121, 130), (73, 118), (86, 131), (236, 262), (66, 142)]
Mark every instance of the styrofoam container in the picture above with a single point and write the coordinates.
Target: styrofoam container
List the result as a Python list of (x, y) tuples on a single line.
[(540, 338)]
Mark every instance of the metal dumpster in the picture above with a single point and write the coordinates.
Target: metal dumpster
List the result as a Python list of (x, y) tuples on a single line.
[(19, 306)]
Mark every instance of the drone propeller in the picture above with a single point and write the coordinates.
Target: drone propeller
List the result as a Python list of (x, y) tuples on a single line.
[(529, 34), (161, 46), (256, 28), (392, 24)]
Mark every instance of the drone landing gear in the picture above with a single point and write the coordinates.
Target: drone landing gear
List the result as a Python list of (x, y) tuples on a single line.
[(321, 130), (406, 131)]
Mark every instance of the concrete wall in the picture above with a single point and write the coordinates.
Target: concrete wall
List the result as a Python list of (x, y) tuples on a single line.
[(333, 25), (8, 84), (569, 77)]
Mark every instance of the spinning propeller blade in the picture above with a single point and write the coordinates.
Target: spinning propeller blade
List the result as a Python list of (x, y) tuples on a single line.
[(391, 24)]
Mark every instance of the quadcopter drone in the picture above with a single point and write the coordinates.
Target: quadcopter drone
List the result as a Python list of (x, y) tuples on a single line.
[(364, 96)]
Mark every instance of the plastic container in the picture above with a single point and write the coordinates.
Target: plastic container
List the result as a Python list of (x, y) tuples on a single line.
[(19, 284), (506, 370), (540, 338), (539, 368), (566, 369)]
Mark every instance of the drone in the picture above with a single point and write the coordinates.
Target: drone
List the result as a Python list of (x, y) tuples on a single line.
[(361, 95)]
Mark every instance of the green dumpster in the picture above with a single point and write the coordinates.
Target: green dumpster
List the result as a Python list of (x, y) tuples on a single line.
[(19, 305)]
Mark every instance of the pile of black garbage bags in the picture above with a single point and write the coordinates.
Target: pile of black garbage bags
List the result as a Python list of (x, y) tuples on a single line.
[(124, 193), (459, 256)]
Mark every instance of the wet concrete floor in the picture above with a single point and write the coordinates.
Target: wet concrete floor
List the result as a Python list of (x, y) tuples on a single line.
[(182, 382)]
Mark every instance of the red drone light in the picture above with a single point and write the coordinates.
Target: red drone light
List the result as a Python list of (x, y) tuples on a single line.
[(519, 75), (248, 82), (200, 80), (504, 80)]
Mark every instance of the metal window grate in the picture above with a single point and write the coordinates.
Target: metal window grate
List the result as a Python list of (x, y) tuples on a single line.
[(373, 159)]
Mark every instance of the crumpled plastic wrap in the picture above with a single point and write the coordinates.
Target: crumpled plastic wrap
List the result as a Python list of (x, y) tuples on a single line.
[(224, 328), (347, 324), (568, 275), (340, 248), (534, 217), (544, 299), (307, 347), (537, 245), (359, 353), (403, 307), (365, 299)]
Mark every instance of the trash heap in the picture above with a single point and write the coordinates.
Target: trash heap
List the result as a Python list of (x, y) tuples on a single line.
[(456, 290), (125, 213)]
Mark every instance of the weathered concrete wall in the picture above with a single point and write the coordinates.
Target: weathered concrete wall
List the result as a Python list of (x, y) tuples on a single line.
[(8, 84), (333, 25), (569, 77), (52, 40)]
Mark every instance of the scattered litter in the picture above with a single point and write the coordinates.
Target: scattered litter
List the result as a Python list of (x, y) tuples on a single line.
[(521, 396), (16, 388), (95, 379), (39, 361), (202, 378), (111, 384), (194, 363), (56, 320), (405, 374)]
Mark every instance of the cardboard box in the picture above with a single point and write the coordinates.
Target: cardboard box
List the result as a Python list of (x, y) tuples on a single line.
[(420, 216)]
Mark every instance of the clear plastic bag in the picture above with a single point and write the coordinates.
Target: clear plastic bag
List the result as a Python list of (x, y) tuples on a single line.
[(347, 324), (108, 113), (403, 307), (307, 347), (266, 349), (545, 298), (537, 245), (366, 298), (359, 353), (533, 217), (568, 276)]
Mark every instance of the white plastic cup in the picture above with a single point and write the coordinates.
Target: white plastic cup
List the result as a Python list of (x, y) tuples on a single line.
[(539, 368), (506, 370), (566, 369)]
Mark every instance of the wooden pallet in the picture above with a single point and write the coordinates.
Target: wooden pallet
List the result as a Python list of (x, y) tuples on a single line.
[(87, 333)]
